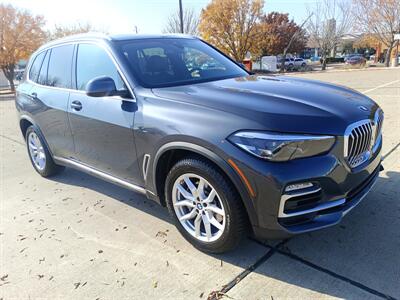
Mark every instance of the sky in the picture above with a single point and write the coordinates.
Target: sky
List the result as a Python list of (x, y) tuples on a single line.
[(123, 16)]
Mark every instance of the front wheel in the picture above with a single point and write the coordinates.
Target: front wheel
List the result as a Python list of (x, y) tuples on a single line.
[(204, 205)]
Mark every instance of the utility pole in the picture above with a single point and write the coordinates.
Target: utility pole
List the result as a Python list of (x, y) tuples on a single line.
[(181, 15), (282, 69)]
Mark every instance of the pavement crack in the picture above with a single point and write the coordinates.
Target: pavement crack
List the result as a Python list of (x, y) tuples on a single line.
[(11, 139), (333, 274), (391, 151), (226, 288)]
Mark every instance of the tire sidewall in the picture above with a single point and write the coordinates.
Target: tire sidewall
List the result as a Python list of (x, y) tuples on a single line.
[(199, 169)]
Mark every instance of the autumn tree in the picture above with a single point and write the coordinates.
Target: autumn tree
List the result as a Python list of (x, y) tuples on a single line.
[(21, 33), (381, 19), (231, 25), (330, 21), (276, 32), (190, 23), (61, 31)]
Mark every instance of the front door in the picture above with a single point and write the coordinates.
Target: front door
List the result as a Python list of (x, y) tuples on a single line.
[(102, 127)]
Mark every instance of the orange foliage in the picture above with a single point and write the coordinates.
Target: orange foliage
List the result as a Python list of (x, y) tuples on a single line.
[(231, 25), (20, 34)]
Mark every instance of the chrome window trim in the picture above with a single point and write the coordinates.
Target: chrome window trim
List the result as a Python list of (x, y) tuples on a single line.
[(77, 43)]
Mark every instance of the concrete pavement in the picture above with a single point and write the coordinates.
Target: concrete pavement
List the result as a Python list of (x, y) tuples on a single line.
[(77, 237)]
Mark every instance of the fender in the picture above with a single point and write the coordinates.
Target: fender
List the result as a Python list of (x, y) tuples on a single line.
[(37, 128), (221, 163)]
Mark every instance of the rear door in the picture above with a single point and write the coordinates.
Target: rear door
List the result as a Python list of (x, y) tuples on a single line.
[(102, 126), (50, 94)]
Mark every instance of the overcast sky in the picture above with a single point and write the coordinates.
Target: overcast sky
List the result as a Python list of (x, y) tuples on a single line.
[(121, 16)]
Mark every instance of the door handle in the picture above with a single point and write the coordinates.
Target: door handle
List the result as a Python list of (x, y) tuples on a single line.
[(34, 95), (76, 105)]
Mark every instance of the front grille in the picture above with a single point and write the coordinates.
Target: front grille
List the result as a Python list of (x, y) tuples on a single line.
[(362, 138)]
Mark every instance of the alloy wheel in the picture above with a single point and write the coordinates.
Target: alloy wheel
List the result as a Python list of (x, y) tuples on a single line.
[(198, 207), (36, 151)]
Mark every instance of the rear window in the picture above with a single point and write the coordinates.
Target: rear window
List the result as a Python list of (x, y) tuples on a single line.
[(59, 70), (35, 68), (43, 70)]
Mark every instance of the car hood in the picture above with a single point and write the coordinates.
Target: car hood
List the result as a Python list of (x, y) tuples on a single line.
[(279, 103)]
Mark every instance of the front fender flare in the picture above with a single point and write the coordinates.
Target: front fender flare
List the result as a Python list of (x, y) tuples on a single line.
[(220, 162)]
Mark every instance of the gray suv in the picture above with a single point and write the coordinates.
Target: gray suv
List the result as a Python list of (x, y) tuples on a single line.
[(229, 153)]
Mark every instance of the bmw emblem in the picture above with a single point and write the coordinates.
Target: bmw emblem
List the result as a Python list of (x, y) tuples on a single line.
[(363, 108)]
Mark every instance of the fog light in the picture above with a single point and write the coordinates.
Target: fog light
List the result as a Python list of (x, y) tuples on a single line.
[(298, 186)]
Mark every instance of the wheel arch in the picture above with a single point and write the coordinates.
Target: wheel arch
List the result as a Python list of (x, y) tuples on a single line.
[(170, 153), (25, 122)]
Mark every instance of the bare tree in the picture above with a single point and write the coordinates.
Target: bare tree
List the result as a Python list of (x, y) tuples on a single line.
[(61, 31), (190, 23), (381, 19), (330, 22)]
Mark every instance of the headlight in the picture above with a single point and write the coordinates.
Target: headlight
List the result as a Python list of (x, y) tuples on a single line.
[(281, 147)]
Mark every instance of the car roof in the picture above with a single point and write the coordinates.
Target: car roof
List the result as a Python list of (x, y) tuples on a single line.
[(114, 37)]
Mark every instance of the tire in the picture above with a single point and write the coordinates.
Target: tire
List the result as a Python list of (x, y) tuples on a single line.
[(40, 158), (232, 226)]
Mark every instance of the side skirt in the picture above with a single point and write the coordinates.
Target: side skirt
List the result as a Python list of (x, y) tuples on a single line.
[(107, 177)]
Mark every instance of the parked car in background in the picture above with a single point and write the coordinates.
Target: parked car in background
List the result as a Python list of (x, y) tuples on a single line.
[(349, 56), (19, 74), (300, 63), (356, 60), (289, 63), (228, 153)]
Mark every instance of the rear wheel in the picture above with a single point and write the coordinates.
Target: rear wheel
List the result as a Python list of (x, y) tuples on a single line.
[(205, 207), (39, 154)]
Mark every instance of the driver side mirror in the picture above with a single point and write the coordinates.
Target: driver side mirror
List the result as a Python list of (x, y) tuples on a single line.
[(104, 86)]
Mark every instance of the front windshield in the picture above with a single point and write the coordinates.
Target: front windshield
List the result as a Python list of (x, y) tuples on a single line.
[(170, 62)]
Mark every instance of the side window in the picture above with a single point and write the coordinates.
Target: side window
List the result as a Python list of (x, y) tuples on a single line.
[(59, 70), (43, 70), (93, 61), (35, 68)]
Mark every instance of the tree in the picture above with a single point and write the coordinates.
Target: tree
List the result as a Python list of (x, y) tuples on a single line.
[(276, 32), (329, 23), (381, 19), (20, 34), (61, 31), (232, 25), (190, 23)]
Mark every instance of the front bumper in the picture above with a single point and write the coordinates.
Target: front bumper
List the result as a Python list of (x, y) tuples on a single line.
[(336, 190)]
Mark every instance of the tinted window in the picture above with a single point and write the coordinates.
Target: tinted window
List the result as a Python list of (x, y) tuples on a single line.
[(169, 62), (43, 70), (35, 68), (92, 62), (59, 71)]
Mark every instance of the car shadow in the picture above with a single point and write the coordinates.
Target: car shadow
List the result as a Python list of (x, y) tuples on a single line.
[(363, 248)]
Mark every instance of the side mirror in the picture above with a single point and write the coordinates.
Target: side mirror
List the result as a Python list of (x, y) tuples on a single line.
[(101, 86)]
